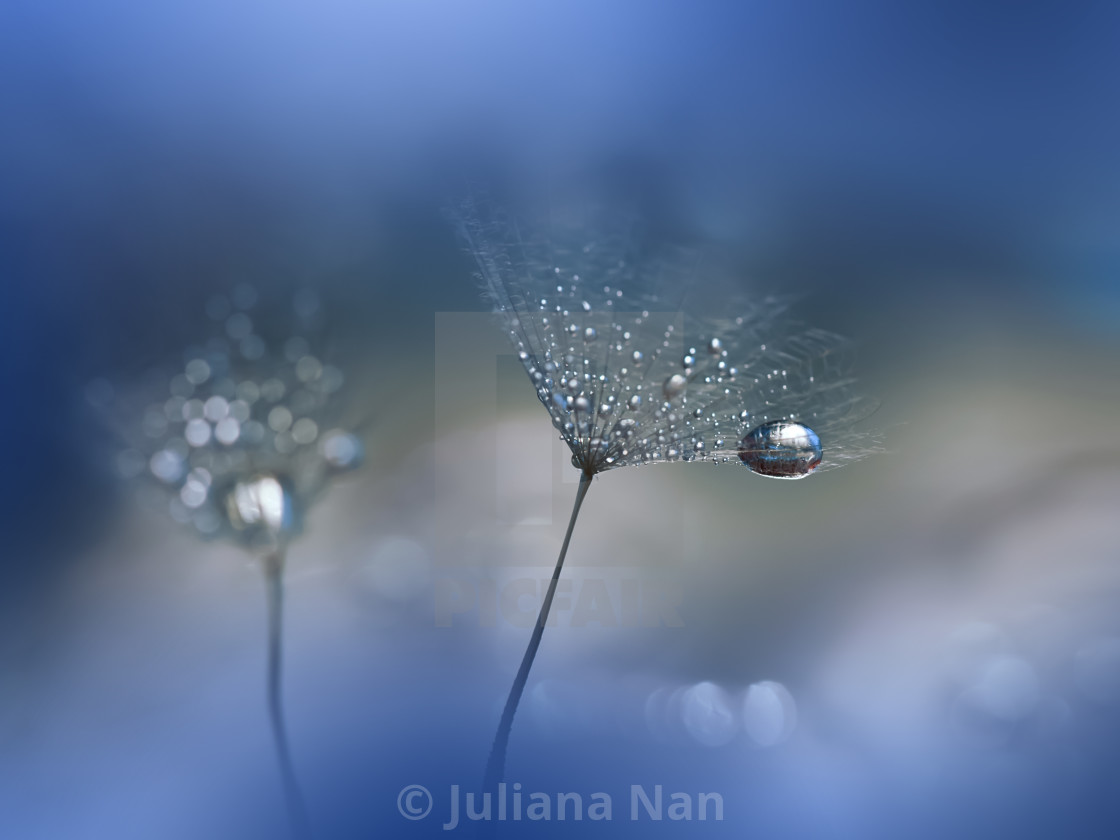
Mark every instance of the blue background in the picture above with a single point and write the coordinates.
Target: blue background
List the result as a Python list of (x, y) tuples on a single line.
[(940, 181)]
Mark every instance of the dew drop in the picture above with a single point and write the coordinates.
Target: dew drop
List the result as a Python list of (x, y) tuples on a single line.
[(308, 368), (280, 419), (227, 431), (239, 410), (635, 402), (781, 449), (624, 428), (197, 432), (674, 386), (168, 466), (197, 372), (193, 493), (341, 449), (193, 409), (215, 409), (589, 334), (715, 346), (304, 431), (260, 504)]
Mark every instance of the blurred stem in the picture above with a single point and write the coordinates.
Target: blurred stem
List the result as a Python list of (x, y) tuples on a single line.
[(496, 764), (293, 796)]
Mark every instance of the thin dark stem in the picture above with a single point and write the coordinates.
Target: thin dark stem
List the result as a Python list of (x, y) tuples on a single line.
[(496, 764), (293, 796)]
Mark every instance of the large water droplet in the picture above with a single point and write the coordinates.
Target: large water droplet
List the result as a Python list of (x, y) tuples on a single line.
[(781, 449), (261, 506)]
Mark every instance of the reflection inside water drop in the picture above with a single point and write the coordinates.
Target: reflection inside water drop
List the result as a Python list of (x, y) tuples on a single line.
[(781, 449)]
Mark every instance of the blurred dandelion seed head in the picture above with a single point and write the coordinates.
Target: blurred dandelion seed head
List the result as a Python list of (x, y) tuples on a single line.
[(631, 376), (247, 435)]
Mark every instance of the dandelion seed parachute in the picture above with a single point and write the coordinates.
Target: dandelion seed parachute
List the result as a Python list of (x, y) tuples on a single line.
[(237, 445), (630, 377), (659, 382)]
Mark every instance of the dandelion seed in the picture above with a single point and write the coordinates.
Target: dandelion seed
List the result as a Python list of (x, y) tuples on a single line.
[(763, 393), (239, 451)]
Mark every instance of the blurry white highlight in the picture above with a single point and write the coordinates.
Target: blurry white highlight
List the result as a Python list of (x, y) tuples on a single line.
[(258, 502), (769, 713)]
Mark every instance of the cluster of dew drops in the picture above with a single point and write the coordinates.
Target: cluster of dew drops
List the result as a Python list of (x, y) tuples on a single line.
[(617, 397), (240, 412)]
